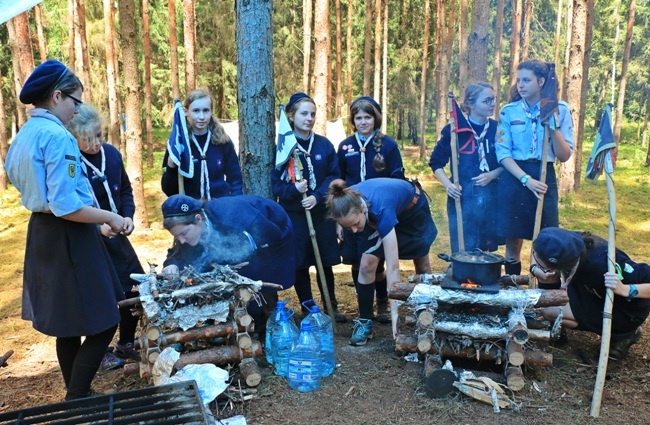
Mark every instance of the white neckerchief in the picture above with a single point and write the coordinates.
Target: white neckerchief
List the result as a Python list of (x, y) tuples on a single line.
[(363, 142), (205, 177), (533, 119), (310, 166), (100, 174), (482, 145)]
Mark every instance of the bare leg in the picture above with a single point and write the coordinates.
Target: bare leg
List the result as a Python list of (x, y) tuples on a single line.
[(422, 265), (568, 320)]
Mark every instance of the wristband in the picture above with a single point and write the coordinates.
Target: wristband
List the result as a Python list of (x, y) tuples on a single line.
[(532, 269), (524, 179), (633, 292)]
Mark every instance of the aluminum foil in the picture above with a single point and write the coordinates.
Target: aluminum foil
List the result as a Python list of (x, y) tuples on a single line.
[(522, 298)]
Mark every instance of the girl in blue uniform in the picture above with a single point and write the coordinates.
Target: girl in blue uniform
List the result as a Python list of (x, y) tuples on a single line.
[(478, 172), (368, 154), (389, 219), (112, 188), (70, 288), (216, 166), (519, 147), (320, 167)]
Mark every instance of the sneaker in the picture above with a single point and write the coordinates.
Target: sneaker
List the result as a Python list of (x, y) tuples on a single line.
[(126, 351), (618, 350), (362, 332), (110, 361), (383, 311)]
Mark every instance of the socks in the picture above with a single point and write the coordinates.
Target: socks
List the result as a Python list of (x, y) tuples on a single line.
[(513, 267), (366, 297)]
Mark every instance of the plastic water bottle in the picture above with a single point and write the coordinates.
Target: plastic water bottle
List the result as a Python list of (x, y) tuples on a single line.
[(271, 325), (325, 332), (283, 338), (304, 361)]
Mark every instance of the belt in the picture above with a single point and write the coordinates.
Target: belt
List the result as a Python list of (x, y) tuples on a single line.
[(415, 199)]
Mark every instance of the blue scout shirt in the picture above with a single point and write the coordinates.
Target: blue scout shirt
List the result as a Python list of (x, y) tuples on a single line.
[(349, 157), (44, 163), (515, 132)]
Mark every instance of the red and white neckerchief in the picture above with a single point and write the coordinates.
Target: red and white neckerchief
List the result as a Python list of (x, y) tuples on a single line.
[(205, 177), (533, 119), (363, 142), (100, 175), (482, 143), (307, 155)]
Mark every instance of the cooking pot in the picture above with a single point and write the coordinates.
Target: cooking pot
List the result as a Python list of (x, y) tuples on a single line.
[(483, 268)]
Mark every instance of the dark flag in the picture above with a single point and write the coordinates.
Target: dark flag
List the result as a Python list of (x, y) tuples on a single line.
[(548, 103), (178, 144), (461, 125), (603, 155)]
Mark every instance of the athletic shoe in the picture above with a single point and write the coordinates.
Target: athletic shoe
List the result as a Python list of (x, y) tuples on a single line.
[(362, 332), (383, 311), (110, 361), (618, 350)]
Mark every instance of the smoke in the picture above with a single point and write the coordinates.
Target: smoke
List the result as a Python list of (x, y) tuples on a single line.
[(225, 246)]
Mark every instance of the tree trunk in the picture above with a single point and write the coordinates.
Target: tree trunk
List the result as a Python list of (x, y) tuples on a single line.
[(515, 40), (367, 58), (111, 75), (42, 49), (384, 65), (306, 43), (423, 78), (498, 58), (255, 94), (339, 63), (558, 34), (377, 81), (173, 49), (147, 82), (446, 45), (349, 44), (22, 59), (478, 40), (437, 68), (614, 47), (189, 42), (624, 67), (129, 37), (85, 61), (71, 34), (3, 139), (402, 22), (645, 129), (321, 69), (567, 52), (527, 17), (463, 57)]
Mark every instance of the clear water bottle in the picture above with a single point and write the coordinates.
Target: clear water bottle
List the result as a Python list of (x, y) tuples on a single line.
[(283, 338), (271, 325), (324, 330), (303, 372)]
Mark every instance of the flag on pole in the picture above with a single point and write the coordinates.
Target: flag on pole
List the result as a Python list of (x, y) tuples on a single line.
[(461, 125), (286, 141), (178, 144), (603, 154), (548, 102)]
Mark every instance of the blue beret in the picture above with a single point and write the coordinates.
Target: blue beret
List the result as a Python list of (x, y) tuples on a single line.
[(42, 81), (368, 99), (295, 98), (558, 248), (177, 205)]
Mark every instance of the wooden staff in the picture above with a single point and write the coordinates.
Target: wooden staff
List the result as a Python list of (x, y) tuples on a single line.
[(540, 200), (454, 171)]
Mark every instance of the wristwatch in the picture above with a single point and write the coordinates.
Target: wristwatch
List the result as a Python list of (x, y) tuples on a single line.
[(633, 292), (524, 179)]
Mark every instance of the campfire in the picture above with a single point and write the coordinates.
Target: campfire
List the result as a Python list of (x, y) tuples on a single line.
[(470, 285)]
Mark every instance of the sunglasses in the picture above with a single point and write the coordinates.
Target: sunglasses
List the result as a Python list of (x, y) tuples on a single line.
[(77, 102)]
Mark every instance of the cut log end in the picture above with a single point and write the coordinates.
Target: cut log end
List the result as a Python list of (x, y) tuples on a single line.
[(250, 371), (440, 383), (515, 378)]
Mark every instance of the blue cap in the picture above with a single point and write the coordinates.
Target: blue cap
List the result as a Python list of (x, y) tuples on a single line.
[(368, 99), (41, 82), (558, 248), (295, 98), (178, 205)]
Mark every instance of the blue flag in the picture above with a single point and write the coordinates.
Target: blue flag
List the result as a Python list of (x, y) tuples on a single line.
[(604, 145), (286, 141), (178, 144)]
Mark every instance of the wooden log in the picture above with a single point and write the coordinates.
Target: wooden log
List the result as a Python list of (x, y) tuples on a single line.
[(129, 302), (244, 294), (424, 342), (5, 357), (152, 354), (436, 279), (250, 371), (218, 355), (538, 358), (425, 318), (540, 335), (242, 318), (410, 321), (153, 332), (515, 353), (517, 328), (207, 332), (431, 363), (144, 368), (515, 378), (504, 298), (244, 341)]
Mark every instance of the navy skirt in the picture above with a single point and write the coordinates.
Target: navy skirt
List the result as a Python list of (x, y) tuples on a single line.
[(70, 287), (124, 259), (325, 237), (518, 204)]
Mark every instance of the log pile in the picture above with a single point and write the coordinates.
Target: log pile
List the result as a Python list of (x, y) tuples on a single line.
[(461, 324), (202, 314)]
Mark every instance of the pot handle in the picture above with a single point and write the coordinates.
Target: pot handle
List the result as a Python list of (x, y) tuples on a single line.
[(445, 257)]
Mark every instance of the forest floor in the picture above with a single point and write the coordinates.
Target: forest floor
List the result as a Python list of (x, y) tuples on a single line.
[(371, 385)]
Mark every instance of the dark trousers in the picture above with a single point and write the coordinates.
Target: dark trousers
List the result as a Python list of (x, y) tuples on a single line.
[(303, 286)]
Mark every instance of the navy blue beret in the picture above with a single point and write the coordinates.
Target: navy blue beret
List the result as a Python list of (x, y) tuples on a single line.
[(177, 205), (295, 98), (558, 248), (369, 100), (41, 82)]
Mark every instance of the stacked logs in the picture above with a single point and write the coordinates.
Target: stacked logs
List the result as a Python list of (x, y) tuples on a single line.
[(205, 313), (470, 325)]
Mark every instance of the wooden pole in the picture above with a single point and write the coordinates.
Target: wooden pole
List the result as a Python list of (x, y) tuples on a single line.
[(454, 171), (540, 200)]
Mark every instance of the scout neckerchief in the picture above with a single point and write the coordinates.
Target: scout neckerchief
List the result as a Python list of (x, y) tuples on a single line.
[(205, 177), (102, 177), (482, 145), (307, 154), (533, 119), (363, 142)]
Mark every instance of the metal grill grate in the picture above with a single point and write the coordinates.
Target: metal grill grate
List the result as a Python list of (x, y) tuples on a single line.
[(168, 404)]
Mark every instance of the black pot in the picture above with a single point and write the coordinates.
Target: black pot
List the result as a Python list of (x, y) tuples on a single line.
[(480, 267)]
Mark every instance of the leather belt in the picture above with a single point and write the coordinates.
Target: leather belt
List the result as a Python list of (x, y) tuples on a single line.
[(416, 197)]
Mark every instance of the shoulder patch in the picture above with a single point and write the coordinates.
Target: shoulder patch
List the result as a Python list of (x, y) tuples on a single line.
[(71, 170), (71, 157)]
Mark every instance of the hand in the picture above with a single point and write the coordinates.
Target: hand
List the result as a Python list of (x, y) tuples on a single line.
[(551, 276), (309, 202), (612, 281), (483, 179), (106, 231), (454, 191), (128, 226), (170, 272), (302, 186), (537, 187), (116, 223)]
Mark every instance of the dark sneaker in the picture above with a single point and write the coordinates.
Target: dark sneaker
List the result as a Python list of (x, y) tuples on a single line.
[(618, 350), (383, 311), (362, 332), (111, 361), (126, 351)]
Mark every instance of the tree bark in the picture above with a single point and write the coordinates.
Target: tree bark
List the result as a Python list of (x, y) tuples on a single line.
[(3, 139), (85, 61), (306, 43), (349, 44), (567, 51), (133, 103), (71, 34), (498, 58), (255, 94), (367, 58), (378, 30), (22, 59), (528, 13), (111, 74), (339, 62), (42, 48), (189, 42), (219, 355), (478, 40), (463, 57), (423, 77), (446, 45), (147, 82), (173, 49), (321, 69), (617, 19), (384, 66), (558, 35), (515, 40), (624, 67)]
